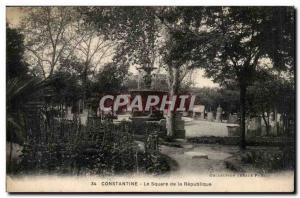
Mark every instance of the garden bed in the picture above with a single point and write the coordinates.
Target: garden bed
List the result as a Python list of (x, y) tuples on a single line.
[(262, 159), (101, 148)]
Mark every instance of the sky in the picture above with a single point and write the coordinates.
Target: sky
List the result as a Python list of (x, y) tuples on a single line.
[(15, 14)]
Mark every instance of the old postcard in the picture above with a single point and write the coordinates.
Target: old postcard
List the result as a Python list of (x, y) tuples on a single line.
[(150, 99)]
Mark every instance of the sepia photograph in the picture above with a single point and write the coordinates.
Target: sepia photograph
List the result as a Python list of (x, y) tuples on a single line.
[(158, 99)]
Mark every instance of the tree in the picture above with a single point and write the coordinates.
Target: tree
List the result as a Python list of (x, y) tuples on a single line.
[(66, 88), (15, 64), (213, 97), (110, 79), (93, 51), (229, 42), (246, 46), (16, 88), (187, 31), (145, 35), (148, 36), (238, 42), (136, 32), (50, 34), (262, 96), (18, 92), (271, 92)]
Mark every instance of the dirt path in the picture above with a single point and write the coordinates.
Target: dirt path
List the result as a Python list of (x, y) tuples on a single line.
[(199, 159)]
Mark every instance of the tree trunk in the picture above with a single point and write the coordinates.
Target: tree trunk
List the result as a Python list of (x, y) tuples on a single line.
[(84, 83), (275, 120), (267, 124), (171, 114), (243, 89)]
